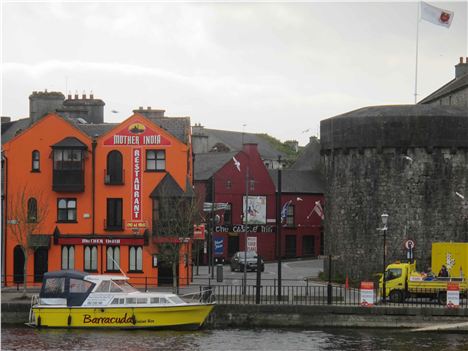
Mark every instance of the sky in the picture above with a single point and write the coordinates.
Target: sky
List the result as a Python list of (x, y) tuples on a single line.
[(261, 67)]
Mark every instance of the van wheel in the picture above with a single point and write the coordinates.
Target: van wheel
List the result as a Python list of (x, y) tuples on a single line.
[(396, 296), (442, 298)]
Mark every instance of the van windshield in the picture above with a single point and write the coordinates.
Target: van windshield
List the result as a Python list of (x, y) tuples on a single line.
[(392, 273)]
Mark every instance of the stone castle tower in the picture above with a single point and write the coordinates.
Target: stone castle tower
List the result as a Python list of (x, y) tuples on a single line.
[(408, 161)]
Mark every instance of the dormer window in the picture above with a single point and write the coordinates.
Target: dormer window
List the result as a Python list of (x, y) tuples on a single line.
[(36, 164)]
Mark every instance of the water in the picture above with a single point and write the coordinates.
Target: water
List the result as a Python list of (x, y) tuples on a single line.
[(23, 338)]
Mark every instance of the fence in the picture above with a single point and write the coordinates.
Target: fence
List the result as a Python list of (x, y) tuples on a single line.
[(293, 292)]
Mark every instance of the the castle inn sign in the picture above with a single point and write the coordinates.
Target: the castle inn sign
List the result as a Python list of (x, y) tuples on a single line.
[(240, 228)]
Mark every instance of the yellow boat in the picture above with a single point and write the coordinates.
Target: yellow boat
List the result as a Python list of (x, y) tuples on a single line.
[(72, 299)]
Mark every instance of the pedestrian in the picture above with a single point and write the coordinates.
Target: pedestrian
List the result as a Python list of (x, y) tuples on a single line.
[(443, 272), (429, 275)]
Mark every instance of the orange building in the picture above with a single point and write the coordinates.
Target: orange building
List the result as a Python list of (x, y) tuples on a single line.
[(91, 195)]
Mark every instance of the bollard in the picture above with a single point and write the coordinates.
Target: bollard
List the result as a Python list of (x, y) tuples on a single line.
[(219, 273)]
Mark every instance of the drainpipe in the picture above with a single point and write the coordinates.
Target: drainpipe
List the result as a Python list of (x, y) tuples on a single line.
[(5, 208), (93, 221)]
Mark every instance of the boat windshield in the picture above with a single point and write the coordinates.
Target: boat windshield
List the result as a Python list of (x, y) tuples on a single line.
[(125, 286), (115, 286)]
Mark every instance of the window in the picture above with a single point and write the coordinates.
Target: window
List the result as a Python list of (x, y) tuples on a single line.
[(290, 216), (32, 210), (68, 257), (66, 159), (80, 286), (114, 173), (155, 160), (36, 164), (114, 214), (90, 258), (66, 210), (113, 258), (136, 259), (228, 184), (54, 286), (228, 215)]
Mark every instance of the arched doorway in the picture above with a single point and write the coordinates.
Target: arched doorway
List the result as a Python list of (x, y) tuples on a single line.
[(18, 265)]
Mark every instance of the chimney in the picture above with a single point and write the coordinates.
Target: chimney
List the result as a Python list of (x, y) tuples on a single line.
[(76, 95), (83, 96), (462, 68), (250, 148), (69, 96), (91, 96), (5, 119)]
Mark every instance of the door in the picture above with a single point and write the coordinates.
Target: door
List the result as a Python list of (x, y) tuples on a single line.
[(290, 250), (18, 265), (40, 263), (308, 245), (233, 245), (165, 273)]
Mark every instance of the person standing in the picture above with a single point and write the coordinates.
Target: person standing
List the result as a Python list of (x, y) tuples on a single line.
[(443, 272)]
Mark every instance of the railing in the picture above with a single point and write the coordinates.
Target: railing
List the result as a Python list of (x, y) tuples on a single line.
[(114, 226), (293, 292)]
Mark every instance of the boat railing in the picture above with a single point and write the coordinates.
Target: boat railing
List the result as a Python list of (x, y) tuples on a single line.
[(34, 301), (205, 295)]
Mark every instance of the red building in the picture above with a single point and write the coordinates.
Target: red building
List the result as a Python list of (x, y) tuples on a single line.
[(226, 177)]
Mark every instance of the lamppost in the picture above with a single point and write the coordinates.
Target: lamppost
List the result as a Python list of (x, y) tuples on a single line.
[(246, 213), (384, 217)]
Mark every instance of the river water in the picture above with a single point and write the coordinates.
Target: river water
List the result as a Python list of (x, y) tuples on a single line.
[(24, 338)]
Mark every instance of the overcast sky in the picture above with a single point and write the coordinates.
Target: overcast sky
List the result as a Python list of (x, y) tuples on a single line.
[(277, 68)]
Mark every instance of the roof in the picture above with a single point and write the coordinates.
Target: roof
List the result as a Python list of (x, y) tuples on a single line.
[(298, 181), (10, 129), (309, 158), (235, 140), (65, 274), (449, 88), (177, 126), (168, 187), (70, 142), (207, 164)]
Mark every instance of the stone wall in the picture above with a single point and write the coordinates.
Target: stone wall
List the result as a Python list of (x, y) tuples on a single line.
[(406, 161)]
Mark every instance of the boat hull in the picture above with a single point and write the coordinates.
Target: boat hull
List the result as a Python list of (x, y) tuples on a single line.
[(186, 316)]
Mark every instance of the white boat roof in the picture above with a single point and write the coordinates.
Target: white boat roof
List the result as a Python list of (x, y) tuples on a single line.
[(103, 277)]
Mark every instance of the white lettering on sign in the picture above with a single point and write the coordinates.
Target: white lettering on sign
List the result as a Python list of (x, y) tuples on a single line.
[(126, 140), (136, 193), (252, 243), (152, 139)]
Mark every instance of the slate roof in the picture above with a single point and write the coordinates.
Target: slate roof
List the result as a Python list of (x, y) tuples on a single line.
[(9, 129), (309, 158), (168, 187), (233, 140), (177, 126), (298, 181), (452, 86), (207, 164)]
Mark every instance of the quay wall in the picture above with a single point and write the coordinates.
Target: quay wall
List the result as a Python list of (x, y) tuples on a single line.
[(296, 316)]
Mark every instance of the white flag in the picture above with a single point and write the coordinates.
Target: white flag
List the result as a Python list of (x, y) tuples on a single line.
[(319, 210), (436, 15)]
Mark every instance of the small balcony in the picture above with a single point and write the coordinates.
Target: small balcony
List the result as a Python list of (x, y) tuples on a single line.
[(68, 181), (114, 178)]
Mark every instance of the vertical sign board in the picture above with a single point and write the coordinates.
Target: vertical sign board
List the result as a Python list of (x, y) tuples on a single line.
[(252, 243), (367, 294), (136, 182), (218, 245), (453, 295), (199, 232)]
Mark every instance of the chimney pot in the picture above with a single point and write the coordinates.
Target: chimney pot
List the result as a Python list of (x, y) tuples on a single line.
[(76, 96), (45, 90), (69, 96), (91, 96), (148, 108), (461, 59), (83, 96), (466, 58), (140, 108)]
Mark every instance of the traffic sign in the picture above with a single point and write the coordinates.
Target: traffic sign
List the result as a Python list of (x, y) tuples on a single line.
[(410, 244)]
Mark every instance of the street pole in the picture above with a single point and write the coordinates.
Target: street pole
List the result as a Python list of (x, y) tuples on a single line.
[(278, 227), (212, 225), (244, 290), (384, 293), (329, 286)]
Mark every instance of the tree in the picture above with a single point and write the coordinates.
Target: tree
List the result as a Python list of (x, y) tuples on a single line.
[(27, 210), (175, 214)]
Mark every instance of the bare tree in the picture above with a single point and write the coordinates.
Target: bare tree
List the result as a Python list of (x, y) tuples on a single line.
[(176, 216), (27, 210)]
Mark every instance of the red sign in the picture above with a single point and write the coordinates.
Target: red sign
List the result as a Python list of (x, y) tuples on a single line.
[(367, 294), (137, 134), (101, 241), (136, 185), (199, 232)]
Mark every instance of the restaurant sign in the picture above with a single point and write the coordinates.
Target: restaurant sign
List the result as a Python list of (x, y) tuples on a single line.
[(137, 134)]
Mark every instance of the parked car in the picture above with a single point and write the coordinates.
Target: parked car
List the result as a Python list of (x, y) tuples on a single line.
[(237, 261)]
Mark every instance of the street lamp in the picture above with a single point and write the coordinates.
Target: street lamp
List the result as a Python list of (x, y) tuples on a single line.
[(384, 217)]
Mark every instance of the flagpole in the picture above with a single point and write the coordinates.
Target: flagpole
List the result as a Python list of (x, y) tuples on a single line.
[(244, 288), (417, 54)]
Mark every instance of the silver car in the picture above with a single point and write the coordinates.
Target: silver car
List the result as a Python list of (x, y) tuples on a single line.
[(237, 261)]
